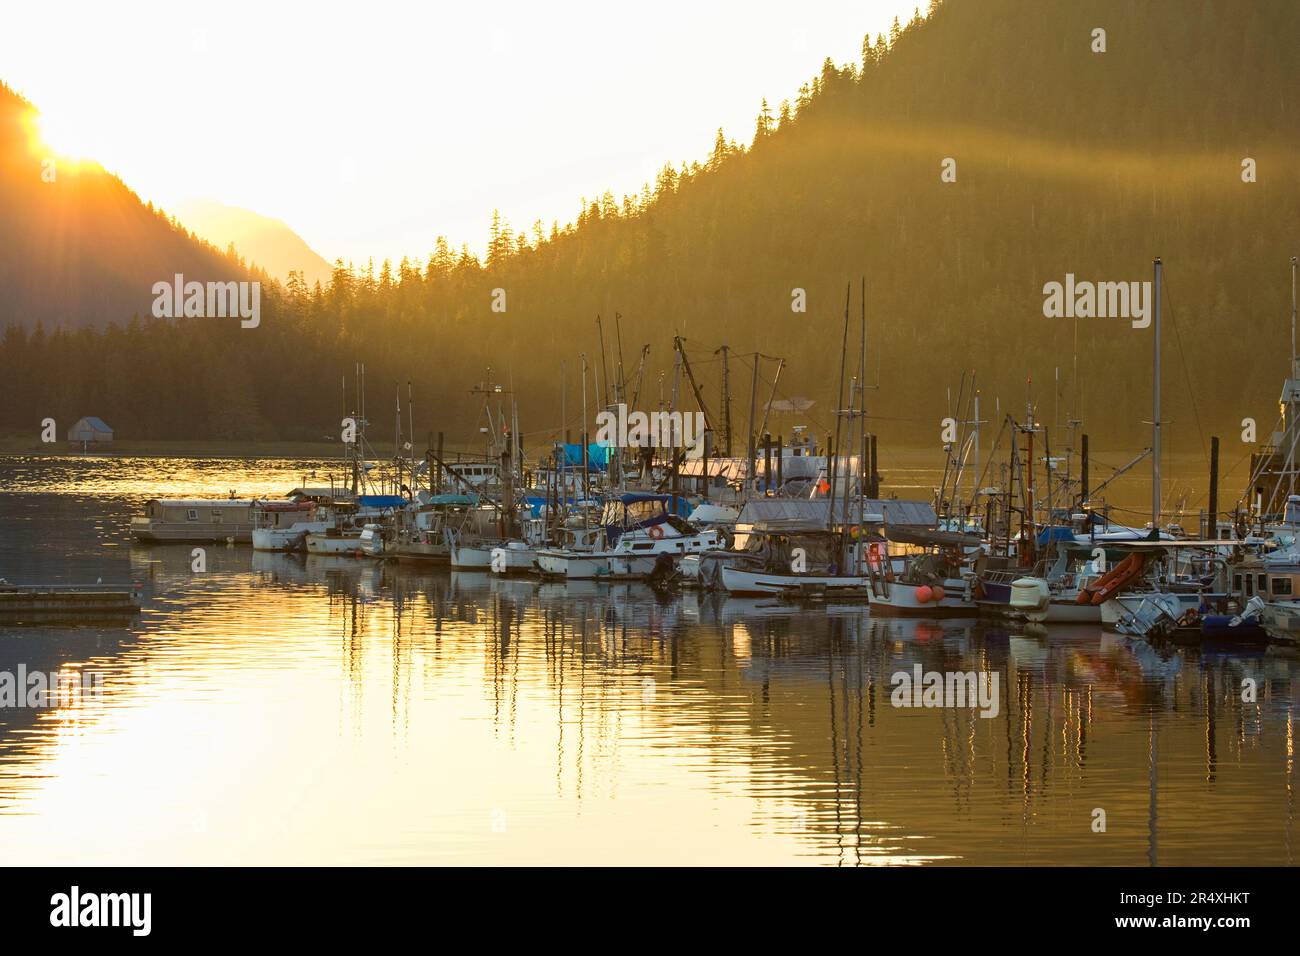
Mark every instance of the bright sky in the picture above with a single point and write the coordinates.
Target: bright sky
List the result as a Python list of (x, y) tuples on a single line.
[(371, 128)]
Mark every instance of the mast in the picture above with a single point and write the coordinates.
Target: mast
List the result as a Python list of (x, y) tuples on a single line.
[(684, 363), (839, 409), (1291, 404), (410, 430), (1155, 409), (975, 471), (620, 394), (586, 471), (562, 486), (726, 399), (753, 410), (603, 389), (862, 426)]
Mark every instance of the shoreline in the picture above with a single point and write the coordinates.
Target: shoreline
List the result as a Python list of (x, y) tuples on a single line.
[(16, 447)]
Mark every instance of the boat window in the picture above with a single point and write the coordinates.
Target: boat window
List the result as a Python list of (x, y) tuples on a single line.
[(1281, 585), (1250, 585), (1262, 587), (639, 511), (216, 514), (1236, 582), (192, 514)]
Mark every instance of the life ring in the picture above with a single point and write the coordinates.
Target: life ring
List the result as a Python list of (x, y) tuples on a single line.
[(657, 532)]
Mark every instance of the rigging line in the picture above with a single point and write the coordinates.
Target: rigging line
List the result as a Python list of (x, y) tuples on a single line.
[(1264, 461), (1182, 355)]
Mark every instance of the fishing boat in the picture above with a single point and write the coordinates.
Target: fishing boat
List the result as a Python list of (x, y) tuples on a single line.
[(470, 552), (937, 577), (353, 519), (791, 561), (575, 544), (419, 534), (284, 525), (195, 520), (636, 528), (519, 555)]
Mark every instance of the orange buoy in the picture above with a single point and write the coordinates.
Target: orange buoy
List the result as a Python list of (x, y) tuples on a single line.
[(938, 593), (924, 593)]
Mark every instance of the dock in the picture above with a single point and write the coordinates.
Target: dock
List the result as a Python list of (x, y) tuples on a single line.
[(68, 599)]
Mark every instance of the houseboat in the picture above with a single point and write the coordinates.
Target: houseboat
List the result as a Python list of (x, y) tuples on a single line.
[(195, 520)]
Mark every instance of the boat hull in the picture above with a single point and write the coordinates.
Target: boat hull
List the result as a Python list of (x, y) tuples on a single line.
[(163, 532), (739, 581), (573, 566), (347, 546), (286, 539), (466, 557), (902, 600), (514, 560)]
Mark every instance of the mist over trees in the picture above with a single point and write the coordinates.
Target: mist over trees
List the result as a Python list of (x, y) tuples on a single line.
[(1066, 160)]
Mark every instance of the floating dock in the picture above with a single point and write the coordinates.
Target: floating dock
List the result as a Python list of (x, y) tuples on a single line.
[(68, 600)]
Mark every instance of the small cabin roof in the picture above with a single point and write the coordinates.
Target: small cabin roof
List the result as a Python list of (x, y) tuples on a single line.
[(318, 491), (93, 423)]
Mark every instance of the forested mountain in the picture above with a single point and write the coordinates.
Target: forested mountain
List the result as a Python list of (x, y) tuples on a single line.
[(77, 247), (1067, 161)]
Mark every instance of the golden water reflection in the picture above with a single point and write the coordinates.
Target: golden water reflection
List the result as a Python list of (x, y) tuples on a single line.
[(281, 709)]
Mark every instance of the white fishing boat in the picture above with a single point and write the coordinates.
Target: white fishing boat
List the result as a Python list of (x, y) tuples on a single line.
[(469, 553), (284, 525), (576, 544), (638, 530), (519, 556), (344, 535), (340, 542), (420, 534), (514, 557), (936, 577), (743, 581)]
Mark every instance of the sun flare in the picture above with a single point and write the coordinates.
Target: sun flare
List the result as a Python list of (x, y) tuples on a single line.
[(66, 138)]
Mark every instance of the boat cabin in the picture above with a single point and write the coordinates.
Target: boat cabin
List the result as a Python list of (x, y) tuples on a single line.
[(195, 519), (274, 515)]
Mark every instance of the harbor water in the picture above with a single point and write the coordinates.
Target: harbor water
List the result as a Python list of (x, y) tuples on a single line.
[(282, 709)]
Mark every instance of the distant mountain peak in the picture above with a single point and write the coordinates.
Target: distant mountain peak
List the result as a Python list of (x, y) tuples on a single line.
[(260, 239)]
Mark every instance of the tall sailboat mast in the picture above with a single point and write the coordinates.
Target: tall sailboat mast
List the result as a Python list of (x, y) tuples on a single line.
[(1155, 408), (1291, 409)]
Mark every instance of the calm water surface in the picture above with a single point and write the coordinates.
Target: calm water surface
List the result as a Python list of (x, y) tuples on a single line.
[(280, 709)]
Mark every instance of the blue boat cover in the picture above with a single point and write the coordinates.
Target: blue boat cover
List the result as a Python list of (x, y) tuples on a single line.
[(597, 456), (382, 501)]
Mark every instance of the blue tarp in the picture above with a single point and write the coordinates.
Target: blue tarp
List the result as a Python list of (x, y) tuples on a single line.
[(1054, 533), (597, 456)]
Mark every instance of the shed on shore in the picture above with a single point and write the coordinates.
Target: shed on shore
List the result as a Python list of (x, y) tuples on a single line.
[(90, 429)]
